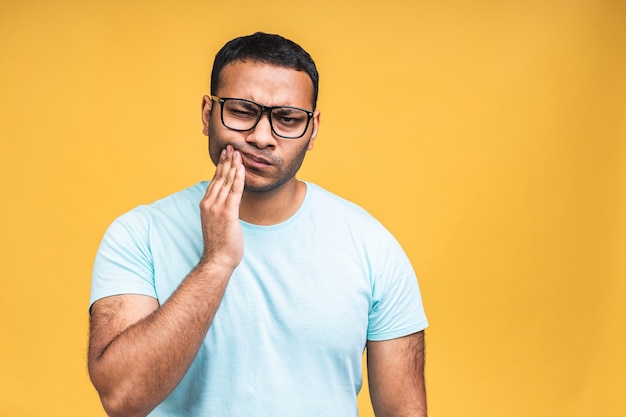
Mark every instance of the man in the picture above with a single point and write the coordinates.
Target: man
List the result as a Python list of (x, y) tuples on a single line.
[(255, 294)]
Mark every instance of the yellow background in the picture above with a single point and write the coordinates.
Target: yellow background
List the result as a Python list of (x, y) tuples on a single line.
[(489, 136)]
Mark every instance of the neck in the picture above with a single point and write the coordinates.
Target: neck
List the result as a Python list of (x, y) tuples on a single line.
[(272, 207)]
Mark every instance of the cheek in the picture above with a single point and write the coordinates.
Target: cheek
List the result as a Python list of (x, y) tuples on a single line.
[(297, 157), (215, 146)]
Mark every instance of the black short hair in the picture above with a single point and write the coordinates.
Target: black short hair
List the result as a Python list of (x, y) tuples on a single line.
[(268, 49)]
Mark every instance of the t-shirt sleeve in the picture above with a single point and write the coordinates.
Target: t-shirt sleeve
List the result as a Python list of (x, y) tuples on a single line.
[(123, 263), (397, 309)]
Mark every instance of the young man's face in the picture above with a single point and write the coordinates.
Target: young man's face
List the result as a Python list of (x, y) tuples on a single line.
[(270, 161)]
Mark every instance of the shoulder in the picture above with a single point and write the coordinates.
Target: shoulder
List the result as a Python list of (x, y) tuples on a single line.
[(176, 208), (342, 214), (184, 200), (322, 198), (177, 203)]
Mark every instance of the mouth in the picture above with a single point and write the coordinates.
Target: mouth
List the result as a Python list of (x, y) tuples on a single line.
[(255, 161)]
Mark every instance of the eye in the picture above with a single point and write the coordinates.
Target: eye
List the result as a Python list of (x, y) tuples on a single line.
[(287, 120), (241, 109), (289, 117), (242, 112)]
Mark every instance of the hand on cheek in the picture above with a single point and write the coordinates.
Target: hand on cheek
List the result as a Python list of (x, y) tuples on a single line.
[(219, 211)]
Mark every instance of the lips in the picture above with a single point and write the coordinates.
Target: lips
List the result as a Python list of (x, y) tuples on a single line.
[(255, 160)]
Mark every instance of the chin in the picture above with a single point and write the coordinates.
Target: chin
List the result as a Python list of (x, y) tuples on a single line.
[(259, 188), (255, 187)]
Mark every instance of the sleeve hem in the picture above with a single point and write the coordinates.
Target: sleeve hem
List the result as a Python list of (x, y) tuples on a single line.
[(120, 292), (405, 331)]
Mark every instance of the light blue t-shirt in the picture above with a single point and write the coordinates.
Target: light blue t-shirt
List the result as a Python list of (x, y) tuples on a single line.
[(289, 334)]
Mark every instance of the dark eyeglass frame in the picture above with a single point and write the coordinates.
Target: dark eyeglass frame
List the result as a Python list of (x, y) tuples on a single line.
[(264, 109)]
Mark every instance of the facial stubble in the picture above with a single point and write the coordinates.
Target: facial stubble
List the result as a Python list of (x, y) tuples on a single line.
[(285, 170)]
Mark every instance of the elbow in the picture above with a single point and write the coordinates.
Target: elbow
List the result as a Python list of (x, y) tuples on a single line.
[(113, 406), (120, 398), (122, 404), (116, 408)]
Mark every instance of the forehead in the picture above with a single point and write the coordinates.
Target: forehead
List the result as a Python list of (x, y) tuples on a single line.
[(267, 84)]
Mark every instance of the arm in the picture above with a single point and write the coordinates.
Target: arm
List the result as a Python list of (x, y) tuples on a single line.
[(139, 351), (396, 376)]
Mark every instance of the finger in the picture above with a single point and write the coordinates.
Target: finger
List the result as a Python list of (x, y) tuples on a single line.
[(221, 173), (236, 191), (220, 164), (225, 162), (229, 177), (238, 172), (216, 174)]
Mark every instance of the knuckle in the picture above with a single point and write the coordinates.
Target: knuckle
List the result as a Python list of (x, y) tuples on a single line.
[(205, 204)]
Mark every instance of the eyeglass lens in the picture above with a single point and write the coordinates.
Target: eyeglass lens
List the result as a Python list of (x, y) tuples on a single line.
[(244, 115)]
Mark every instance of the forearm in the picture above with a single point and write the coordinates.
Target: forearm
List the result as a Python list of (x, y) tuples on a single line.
[(141, 366)]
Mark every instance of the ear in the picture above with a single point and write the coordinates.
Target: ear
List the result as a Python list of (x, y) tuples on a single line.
[(316, 124), (207, 104)]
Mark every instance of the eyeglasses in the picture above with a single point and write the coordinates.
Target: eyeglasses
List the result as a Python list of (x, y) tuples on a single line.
[(243, 115)]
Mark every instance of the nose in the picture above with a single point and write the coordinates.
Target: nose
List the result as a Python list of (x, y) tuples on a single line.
[(262, 136)]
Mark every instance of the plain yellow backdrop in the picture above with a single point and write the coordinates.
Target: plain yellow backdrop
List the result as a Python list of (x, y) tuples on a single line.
[(488, 136)]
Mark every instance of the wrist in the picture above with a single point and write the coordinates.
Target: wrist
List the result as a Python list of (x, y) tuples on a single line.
[(213, 266)]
